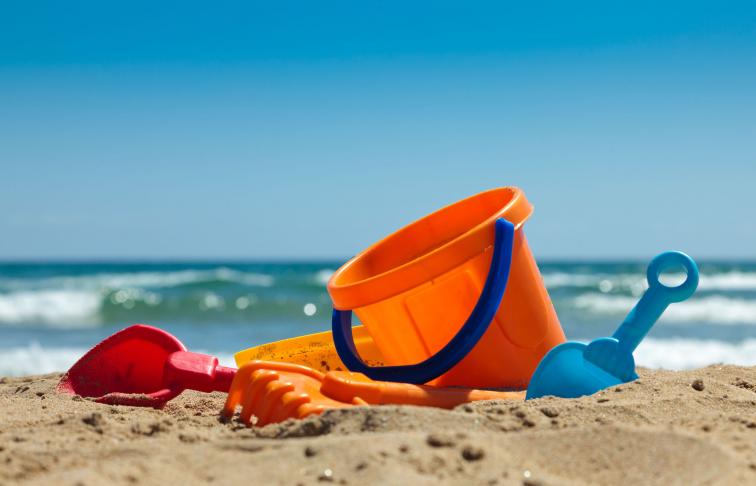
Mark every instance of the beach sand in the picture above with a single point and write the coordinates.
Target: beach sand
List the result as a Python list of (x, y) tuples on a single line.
[(666, 428)]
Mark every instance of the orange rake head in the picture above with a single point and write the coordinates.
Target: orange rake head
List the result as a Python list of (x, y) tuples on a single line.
[(273, 391)]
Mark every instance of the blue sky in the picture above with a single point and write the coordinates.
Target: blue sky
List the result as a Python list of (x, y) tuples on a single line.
[(309, 130)]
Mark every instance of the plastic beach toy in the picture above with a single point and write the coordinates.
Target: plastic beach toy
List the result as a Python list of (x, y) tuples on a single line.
[(143, 366), (274, 391), (316, 351), (453, 299), (575, 369)]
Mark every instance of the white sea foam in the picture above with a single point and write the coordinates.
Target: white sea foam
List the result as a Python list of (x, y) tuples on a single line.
[(563, 279), (35, 359), (78, 301), (141, 279), (323, 276), (728, 281), (677, 354), (713, 309), (718, 281), (60, 308), (723, 281), (635, 283), (673, 354)]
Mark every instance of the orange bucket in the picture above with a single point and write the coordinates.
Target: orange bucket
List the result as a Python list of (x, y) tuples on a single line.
[(414, 290)]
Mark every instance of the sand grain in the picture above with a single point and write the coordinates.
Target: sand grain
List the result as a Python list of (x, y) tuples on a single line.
[(662, 429)]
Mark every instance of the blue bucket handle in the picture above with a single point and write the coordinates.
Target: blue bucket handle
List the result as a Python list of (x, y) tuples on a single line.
[(460, 345)]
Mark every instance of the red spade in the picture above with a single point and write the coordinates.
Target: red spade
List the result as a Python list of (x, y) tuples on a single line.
[(143, 366)]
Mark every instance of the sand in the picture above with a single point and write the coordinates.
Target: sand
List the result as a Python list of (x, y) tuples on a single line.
[(696, 427)]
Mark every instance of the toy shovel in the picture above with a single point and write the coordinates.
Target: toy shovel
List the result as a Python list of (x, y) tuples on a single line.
[(143, 366), (575, 369)]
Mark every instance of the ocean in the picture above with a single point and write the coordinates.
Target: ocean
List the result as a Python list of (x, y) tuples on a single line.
[(51, 313)]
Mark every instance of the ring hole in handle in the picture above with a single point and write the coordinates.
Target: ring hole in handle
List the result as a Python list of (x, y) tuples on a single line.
[(676, 286), (673, 277)]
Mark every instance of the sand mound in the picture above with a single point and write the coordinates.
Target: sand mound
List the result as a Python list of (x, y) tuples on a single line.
[(696, 427)]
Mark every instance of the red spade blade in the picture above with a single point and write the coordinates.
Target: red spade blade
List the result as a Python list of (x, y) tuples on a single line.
[(128, 368)]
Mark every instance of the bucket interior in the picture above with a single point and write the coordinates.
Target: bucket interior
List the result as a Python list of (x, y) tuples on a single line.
[(426, 235)]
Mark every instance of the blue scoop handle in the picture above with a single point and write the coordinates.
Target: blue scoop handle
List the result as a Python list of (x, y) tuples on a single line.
[(647, 311), (459, 346)]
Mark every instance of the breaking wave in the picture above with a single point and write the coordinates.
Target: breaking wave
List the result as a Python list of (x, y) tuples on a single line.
[(57, 308), (162, 279), (673, 354), (35, 359), (713, 309), (636, 282), (679, 354), (200, 295)]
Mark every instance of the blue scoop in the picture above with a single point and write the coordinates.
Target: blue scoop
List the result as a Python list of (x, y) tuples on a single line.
[(575, 369)]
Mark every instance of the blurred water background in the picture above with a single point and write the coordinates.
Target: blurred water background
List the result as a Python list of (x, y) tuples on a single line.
[(51, 313)]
